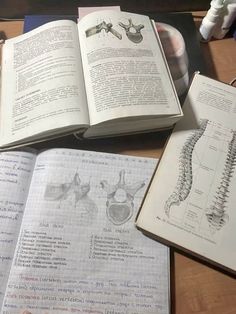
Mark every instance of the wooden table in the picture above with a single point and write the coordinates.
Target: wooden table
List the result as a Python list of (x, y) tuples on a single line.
[(196, 288)]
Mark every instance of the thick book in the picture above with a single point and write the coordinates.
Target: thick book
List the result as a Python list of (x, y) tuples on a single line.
[(68, 238), (191, 200), (105, 76)]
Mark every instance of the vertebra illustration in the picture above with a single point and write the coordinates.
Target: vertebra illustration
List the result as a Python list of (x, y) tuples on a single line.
[(120, 196), (216, 215), (135, 36), (184, 182), (102, 26), (62, 191), (74, 194)]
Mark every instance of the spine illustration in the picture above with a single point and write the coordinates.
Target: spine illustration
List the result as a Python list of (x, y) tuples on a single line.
[(216, 215), (184, 182)]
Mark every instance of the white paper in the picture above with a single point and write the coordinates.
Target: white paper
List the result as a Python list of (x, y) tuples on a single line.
[(42, 82), (15, 175), (79, 251), (125, 70), (82, 11)]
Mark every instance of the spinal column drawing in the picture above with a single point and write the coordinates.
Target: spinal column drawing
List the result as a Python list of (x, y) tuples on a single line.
[(184, 182), (107, 27), (120, 199), (73, 194), (133, 32), (216, 215)]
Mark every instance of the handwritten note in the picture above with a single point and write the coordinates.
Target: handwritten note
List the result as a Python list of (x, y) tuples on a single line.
[(15, 175), (78, 249)]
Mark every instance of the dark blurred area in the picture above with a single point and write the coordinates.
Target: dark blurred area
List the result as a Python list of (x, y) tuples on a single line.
[(17, 9)]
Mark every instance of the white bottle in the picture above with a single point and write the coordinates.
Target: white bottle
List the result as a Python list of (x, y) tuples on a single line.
[(211, 19), (226, 20)]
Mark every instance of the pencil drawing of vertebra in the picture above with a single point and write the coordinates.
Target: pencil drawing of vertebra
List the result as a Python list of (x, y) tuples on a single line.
[(76, 193), (133, 32), (184, 182), (216, 215), (120, 197), (107, 27), (62, 191)]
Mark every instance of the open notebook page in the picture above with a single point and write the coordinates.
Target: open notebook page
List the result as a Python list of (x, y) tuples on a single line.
[(78, 249)]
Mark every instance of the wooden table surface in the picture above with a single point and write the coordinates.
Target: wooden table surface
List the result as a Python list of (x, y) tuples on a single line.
[(195, 287)]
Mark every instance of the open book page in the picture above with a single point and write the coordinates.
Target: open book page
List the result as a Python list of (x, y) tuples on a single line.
[(212, 100), (82, 11), (78, 249), (42, 82), (191, 201), (124, 67), (15, 174)]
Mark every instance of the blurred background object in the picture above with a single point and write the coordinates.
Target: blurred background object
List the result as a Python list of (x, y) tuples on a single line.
[(176, 55), (227, 19), (219, 19), (17, 9), (211, 19)]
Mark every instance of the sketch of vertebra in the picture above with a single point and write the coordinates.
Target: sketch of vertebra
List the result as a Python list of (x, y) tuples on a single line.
[(62, 191), (184, 182), (133, 32), (107, 27), (216, 215), (77, 194), (120, 197)]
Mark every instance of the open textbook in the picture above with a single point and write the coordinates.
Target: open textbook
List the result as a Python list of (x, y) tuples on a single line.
[(106, 75), (68, 239), (191, 200)]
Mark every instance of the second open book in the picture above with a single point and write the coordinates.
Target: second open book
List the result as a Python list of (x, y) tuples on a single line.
[(105, 76), (191, 201)]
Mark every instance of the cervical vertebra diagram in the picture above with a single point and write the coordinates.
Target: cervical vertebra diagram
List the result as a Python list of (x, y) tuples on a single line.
[(120, 196), (216, 215), (133, 32), (184, 182)]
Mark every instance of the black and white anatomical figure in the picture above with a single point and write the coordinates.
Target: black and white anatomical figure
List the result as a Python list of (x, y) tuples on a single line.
[(185, 177), (74, 190), (74, 195), (216, 214), (120, 197), (133, 32), (107, 27)]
